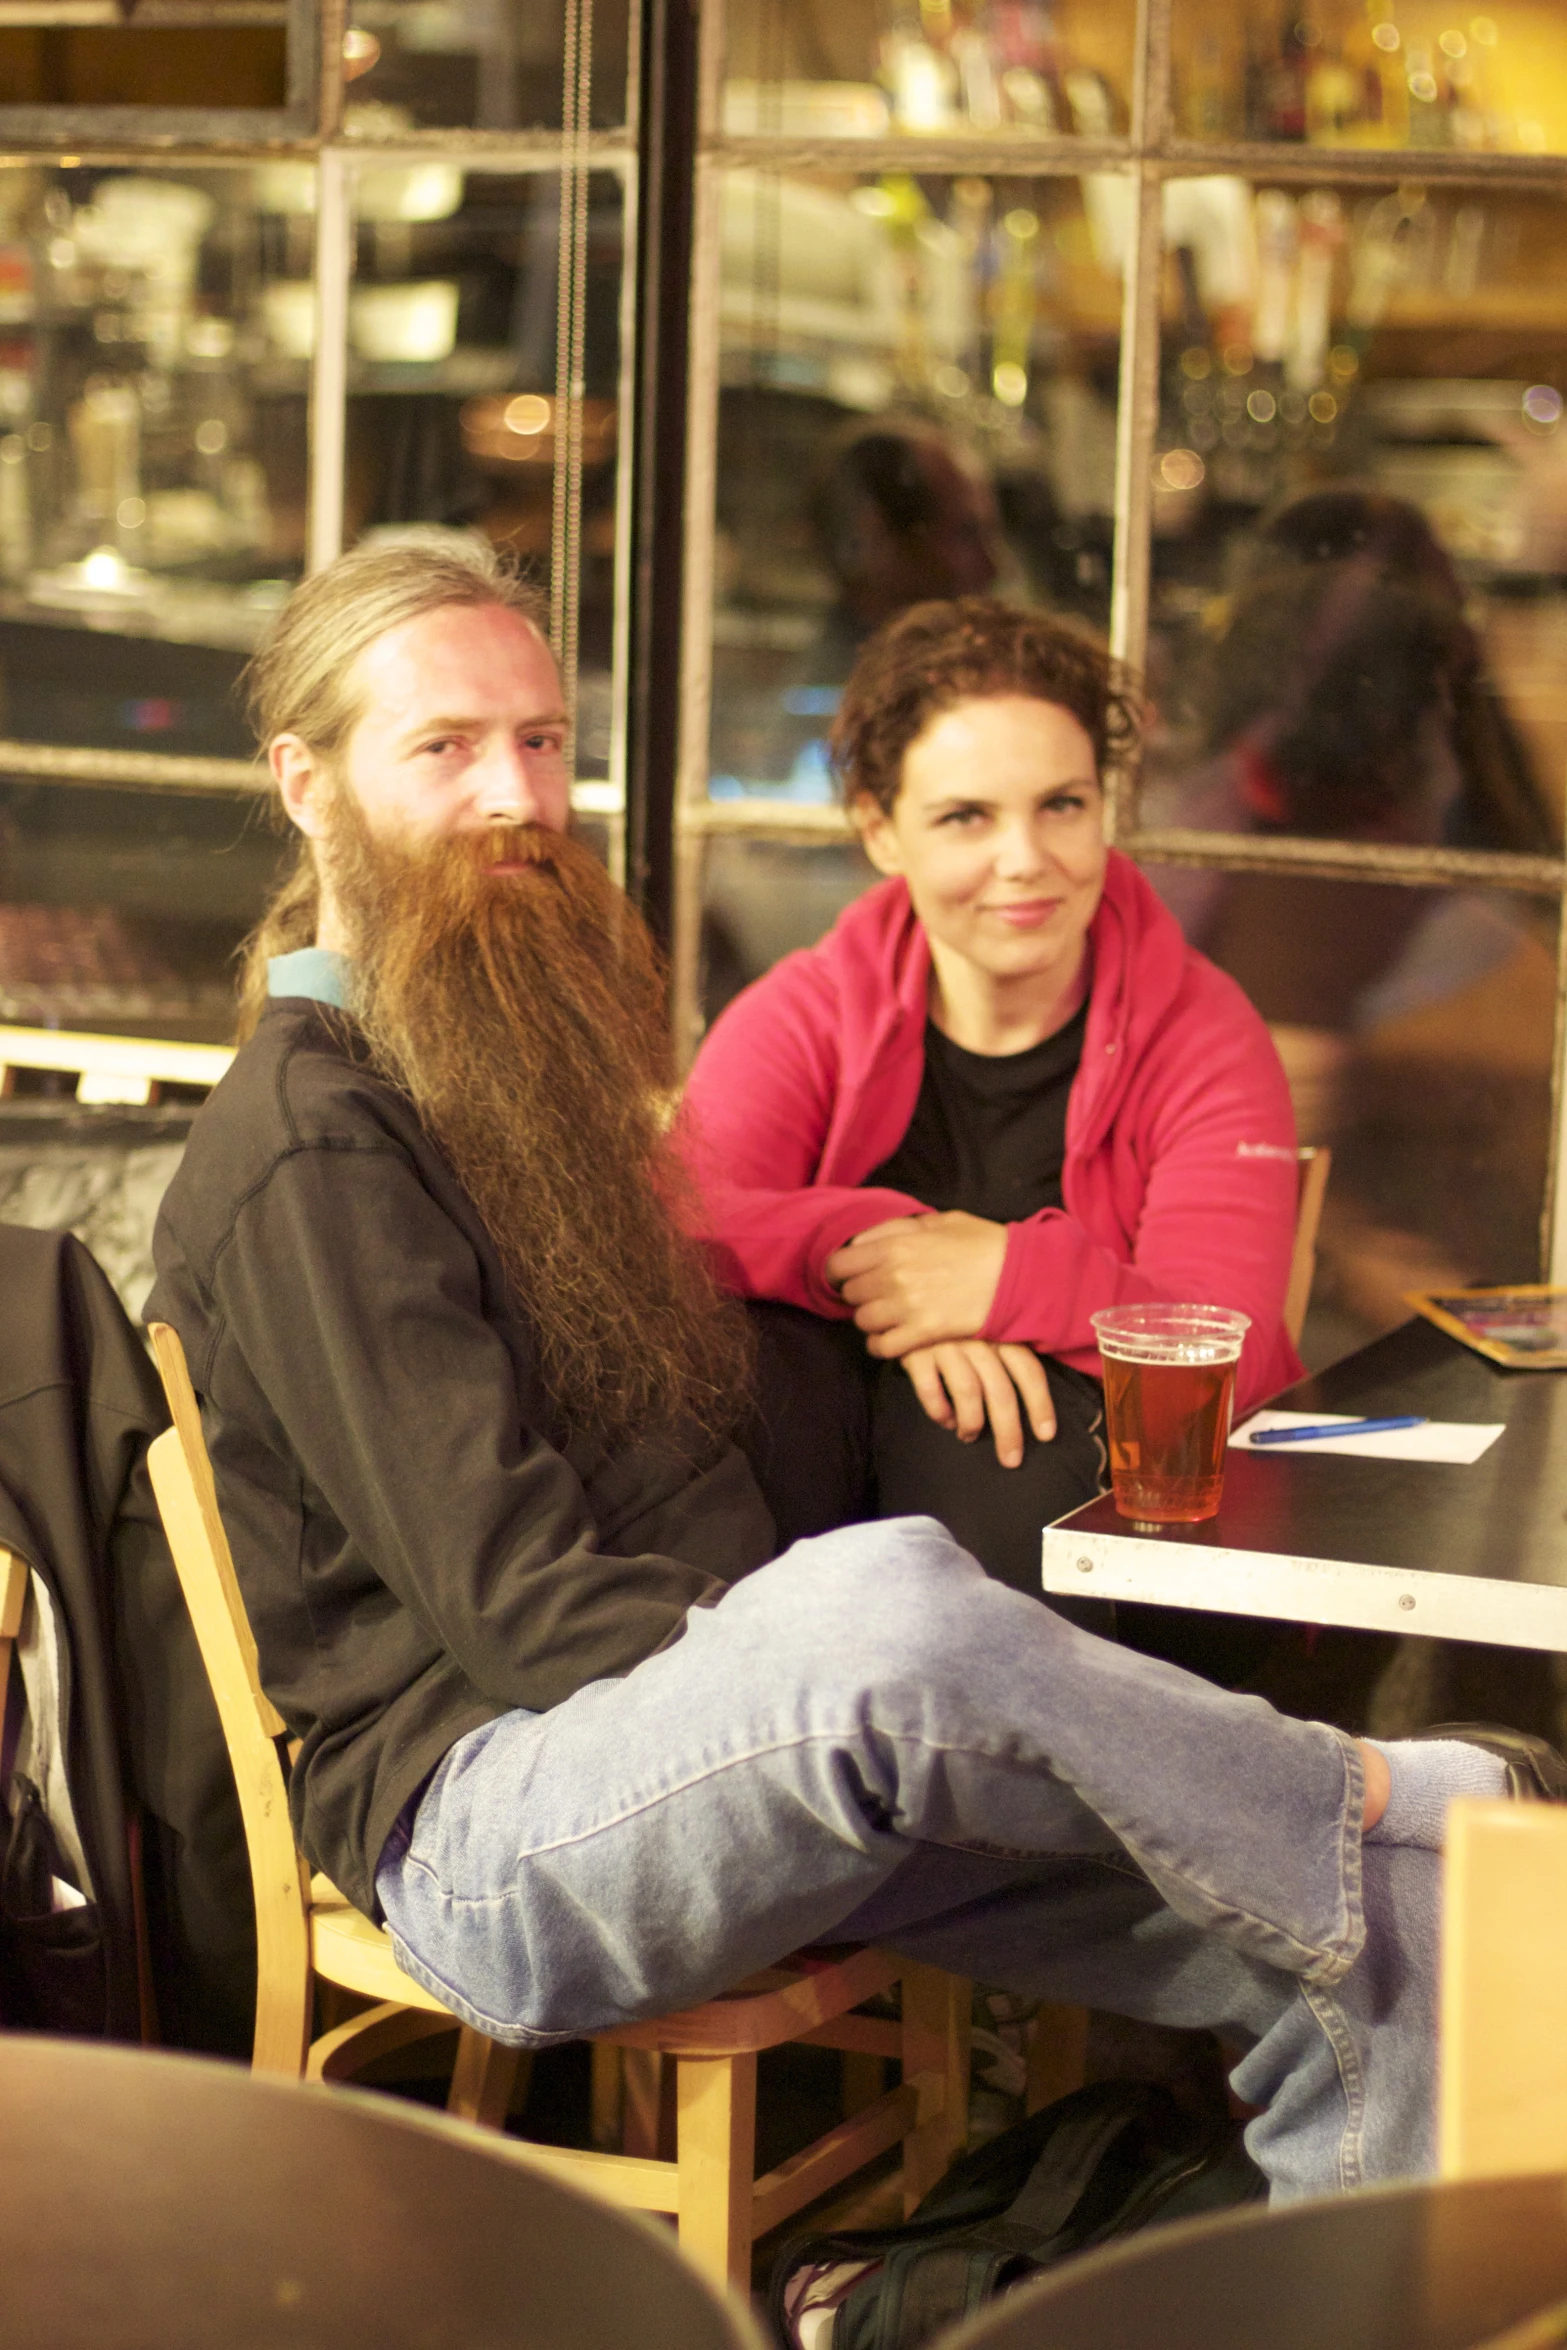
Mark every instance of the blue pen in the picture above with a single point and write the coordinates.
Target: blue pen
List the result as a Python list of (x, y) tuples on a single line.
[(1337, 1428)]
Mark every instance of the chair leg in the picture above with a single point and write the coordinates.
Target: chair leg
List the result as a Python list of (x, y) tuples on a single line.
[(642, 2113), (1057, 2055), (483, 2079), (285, 2005), (606, 2097), (937, 2019), (716, 2104)]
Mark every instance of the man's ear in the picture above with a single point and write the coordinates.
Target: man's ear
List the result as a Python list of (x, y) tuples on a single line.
[(878, 837), (301, 781)]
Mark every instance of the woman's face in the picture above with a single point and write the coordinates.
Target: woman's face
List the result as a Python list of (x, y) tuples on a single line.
[(998, 830)]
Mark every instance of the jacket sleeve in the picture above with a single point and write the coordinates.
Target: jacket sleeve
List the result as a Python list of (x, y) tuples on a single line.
[(1214, 1137), (353, 1304), (753, 1125)]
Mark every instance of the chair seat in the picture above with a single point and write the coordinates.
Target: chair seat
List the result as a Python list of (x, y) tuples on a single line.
[(347, 1949), (786, 2003)]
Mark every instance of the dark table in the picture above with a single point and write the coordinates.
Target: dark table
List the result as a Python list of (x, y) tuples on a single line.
[(1463, 1553), (152, 2202)]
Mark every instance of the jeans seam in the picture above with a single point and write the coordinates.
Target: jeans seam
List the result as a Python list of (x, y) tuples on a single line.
[(510, 2034), (1324, 1962), (1352, 2079)]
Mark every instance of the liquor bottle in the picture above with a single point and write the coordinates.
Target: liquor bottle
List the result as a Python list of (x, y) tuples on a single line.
[(1334, 97), (1284, 104)]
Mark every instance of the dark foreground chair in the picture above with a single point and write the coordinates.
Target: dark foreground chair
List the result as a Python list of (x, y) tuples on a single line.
[(178, 2202), (1449, 2267)]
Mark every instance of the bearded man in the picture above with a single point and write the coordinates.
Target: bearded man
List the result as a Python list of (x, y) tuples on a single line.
[(469, 1395)]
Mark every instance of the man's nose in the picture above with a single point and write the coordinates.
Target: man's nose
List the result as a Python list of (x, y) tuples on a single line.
[(501, 789)]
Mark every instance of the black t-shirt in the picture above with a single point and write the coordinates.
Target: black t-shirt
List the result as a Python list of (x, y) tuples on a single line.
[(988, 1132)]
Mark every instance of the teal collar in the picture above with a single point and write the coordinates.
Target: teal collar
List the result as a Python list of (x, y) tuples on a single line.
[(317, 972)]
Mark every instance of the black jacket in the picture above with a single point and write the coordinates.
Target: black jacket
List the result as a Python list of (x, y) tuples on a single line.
[(79, 1403), (418, 1547)]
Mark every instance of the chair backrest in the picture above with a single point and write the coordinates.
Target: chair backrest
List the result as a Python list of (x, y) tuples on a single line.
[(1316, 1163), (1502, 2107), (13, 1598), (188, 1504)]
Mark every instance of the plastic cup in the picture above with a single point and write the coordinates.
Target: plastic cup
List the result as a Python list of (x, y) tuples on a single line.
[(1169, 1390)]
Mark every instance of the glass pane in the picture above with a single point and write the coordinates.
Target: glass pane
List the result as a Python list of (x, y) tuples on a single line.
[(121, 910), (763, 898), (1360, 524), (918, 399), (870, 68), (1416, 1027), (489, 65), (1374, 73), (164, 66), (152, 448), (451, 411)]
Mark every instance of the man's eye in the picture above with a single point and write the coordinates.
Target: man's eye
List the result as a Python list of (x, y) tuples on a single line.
[(547, 745), (962, 816), (438, 746)]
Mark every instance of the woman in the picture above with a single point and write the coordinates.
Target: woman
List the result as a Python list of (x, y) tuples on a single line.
[(1001, 1094)]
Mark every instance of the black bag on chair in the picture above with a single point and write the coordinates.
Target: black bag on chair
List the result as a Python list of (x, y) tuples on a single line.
[(1110, 2158)]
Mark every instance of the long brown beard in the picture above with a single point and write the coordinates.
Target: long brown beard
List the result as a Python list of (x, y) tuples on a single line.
[(523, 1015)]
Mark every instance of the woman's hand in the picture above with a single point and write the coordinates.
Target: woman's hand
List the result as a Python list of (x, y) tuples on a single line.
[(920, 1280), (967, 1380)]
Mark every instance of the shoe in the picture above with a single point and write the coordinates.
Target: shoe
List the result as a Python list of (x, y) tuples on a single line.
[(1536, 1773)]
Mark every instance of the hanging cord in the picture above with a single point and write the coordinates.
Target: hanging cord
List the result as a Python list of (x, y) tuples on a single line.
[(571, 309)]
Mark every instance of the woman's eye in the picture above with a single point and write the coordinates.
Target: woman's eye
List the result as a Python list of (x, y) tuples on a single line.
[(963, 816)]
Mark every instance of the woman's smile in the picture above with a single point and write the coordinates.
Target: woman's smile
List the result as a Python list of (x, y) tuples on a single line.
[(1024, 913)]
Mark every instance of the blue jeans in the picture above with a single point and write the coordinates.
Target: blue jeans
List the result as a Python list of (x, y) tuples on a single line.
[(870, 1740)]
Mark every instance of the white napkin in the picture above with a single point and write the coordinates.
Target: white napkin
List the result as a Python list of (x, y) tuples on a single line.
[(1438, 1440)]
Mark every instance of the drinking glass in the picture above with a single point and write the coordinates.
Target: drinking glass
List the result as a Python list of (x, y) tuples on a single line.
[(1169, 1388)]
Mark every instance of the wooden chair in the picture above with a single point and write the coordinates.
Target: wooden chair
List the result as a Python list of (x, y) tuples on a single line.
[(1502, 2106), (1316, 1164), (307, 1932), (13, 1598)]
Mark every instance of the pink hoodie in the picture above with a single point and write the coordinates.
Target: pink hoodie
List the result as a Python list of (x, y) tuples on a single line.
[(1180, 1178)]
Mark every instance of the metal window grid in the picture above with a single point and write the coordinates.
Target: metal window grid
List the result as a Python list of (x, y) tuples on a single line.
[(1151, 154)]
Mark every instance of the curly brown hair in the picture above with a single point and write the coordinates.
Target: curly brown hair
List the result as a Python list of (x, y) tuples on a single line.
[(965, 650)]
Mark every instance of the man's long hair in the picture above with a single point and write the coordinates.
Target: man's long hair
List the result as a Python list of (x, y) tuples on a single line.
[(523, 1014)]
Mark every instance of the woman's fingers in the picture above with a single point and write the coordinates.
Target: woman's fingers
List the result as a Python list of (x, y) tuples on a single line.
[(934, 1400), (867, 1249), (1028, 1376), (879, 1315), (1006, 1421), (962, 1380)]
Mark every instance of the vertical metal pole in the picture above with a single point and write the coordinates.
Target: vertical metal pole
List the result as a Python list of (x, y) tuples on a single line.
[(666, 153), (329, 367), (1137, 416), (1553, 1221), (625, 412), (696, 656)]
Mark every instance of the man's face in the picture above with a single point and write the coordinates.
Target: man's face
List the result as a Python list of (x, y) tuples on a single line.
[(464, 726)]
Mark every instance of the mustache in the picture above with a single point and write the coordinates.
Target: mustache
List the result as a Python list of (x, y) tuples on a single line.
[(531, 845)]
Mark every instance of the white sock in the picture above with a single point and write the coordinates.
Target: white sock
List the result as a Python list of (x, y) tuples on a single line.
[(1427, 1773)]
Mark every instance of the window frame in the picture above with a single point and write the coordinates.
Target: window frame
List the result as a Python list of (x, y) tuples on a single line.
[(1151, 154)]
